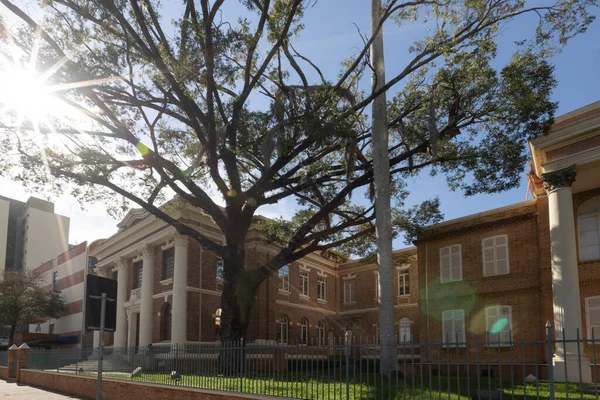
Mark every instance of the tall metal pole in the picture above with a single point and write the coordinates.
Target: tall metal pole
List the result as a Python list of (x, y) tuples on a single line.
[(101, 348)]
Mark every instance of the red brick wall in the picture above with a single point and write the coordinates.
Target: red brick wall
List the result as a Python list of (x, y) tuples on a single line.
[(520, 289), (112, 389)]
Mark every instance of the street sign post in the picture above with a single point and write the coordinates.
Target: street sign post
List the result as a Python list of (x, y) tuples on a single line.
[(100, 314)]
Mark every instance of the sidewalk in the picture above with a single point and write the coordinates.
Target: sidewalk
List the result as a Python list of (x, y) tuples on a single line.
[(18, 392)]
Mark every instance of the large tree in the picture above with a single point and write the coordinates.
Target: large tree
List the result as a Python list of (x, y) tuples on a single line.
[(23, 301), (201, 102)]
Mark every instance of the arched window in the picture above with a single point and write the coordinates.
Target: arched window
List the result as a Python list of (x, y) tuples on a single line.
[(320, 333), (303, 331), (282, 330), (167, 319), (405, 336), (588, 221)]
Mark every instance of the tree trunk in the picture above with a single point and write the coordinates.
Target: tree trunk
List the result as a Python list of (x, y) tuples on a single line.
[(381, 172), (237, 301), (11, 336)]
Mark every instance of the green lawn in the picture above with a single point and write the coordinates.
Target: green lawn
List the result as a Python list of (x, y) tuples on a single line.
[(367, 390)]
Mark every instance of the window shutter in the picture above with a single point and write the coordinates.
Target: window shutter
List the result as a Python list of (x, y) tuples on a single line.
[(456, 263), (459, 325), (501, 255)]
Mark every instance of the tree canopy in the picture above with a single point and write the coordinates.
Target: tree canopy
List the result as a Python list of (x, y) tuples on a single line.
[(23, 301), (160, 107)]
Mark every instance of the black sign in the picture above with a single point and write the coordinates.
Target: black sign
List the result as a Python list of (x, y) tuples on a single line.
[(96, 285)]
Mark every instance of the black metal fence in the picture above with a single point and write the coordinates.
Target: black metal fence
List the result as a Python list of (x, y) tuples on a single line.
[(3, 358), (348, 368)]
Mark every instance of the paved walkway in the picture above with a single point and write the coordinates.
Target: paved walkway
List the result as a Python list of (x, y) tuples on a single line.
[(19, 392)]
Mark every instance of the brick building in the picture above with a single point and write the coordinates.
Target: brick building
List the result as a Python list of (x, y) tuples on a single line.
[(504, 273), (500, 274), (310, 301)]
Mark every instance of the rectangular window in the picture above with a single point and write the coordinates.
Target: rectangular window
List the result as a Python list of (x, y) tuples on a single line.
[(321, 288), (284, 278), (495, 255), (349, 286), (453, 327), (592, 314), (403, 282), (498, 324), (589, 237), (168, 263), (138, 271), (55, 281), (304, 282), (451, 263), (219, 274)]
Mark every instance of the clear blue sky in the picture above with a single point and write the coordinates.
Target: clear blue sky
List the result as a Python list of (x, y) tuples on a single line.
[(329, 37)]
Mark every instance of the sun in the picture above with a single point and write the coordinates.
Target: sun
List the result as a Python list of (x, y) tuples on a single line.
[(24, 92)]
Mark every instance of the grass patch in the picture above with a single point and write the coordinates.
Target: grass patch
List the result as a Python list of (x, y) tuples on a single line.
[(372, 387)]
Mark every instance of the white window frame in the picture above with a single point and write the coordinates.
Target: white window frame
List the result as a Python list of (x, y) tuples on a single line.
[(284, 279), (493, 341), (579, 218), (404, 281), (587, 320), (449, 338), (321, 288), (402, 329), (304, 282), (495, 260), (350, 291), (303, 330), (283, 324), (449, 256), (321, 333)]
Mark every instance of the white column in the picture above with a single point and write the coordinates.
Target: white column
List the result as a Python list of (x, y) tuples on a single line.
[(565, 277), (132, 329), (147, 304), (121, 329), (179, 306)]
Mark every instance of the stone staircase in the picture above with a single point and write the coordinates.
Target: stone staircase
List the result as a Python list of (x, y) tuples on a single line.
[(112, 363)]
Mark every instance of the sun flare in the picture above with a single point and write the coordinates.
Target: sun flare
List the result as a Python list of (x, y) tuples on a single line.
[(25, 92)]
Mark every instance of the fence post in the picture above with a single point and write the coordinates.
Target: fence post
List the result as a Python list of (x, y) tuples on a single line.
[(347, 337), (22, 359), (550, 362)]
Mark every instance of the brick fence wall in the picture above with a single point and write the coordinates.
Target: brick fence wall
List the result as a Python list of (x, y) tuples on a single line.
[(4, 373), (85, 387)]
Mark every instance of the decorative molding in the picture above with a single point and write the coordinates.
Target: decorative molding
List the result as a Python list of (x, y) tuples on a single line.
[(170, 243), (180, 240), (562, 178), (203, 291), (162, 294), (321, 273), (304, 296), (349, 276), (147, 251), (166, 282), (137, 258), (364, 310), (304, 267), (303, 307)]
